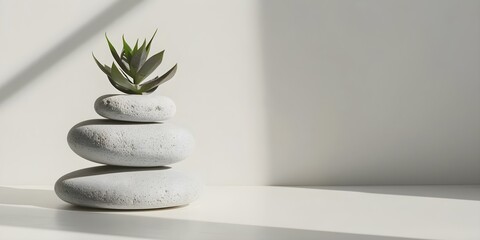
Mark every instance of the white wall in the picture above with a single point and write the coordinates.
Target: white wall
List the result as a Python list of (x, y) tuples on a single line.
[(373, 91), (275, 92), (218, 88)]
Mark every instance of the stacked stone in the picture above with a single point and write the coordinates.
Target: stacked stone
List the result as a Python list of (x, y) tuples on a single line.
[(136, 144)]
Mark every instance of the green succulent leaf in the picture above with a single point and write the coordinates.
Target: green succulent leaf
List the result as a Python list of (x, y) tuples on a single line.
[(126, 65), (137, 61), (121, 88), (150, 42), (127, 51), (108, 69), (104, 68), (116, 56), (150, 65), (118, 77), (151, 90), (154, 83), (135, 48), (131, 67)]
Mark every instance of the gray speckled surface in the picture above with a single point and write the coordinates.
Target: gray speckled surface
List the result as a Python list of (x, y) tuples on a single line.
[(113, 187), (135, 108), (130, 144)]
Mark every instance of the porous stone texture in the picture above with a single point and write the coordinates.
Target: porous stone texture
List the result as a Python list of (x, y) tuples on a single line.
[(130, 144), (127, 188), (135, 108)]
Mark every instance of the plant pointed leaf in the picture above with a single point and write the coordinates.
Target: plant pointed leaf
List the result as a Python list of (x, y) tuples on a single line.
[(125, 75), (137, 61), (104, 68), (126, 64), (108, 68), (135, 48), (127, 51), (148, 86), (150, 65), (116, 56), (121, 88), (151, 90), (150, 42), (120, 79)]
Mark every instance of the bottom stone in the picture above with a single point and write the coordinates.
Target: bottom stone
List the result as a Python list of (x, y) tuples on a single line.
[(114, 187)]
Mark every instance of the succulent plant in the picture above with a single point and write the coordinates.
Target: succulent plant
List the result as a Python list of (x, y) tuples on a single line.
[(134, 68)]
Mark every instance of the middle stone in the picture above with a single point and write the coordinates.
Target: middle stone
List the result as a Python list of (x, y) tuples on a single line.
[(130, 144)]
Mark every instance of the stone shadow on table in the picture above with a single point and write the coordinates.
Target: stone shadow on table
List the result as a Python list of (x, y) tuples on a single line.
[(48, 199), (106, 169), (29, 197), (461, 192), (112, 122), (155, 227)]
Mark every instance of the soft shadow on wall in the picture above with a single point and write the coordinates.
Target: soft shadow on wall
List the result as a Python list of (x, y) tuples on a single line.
[(372, 92), (67, 46)]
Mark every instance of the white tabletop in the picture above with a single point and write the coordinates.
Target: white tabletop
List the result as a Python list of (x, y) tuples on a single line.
[(256, 212)]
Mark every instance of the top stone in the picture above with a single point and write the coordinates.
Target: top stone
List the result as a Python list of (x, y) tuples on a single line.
[(135, 108)]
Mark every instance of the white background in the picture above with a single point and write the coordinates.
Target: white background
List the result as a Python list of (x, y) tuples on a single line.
[(275, 92)]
